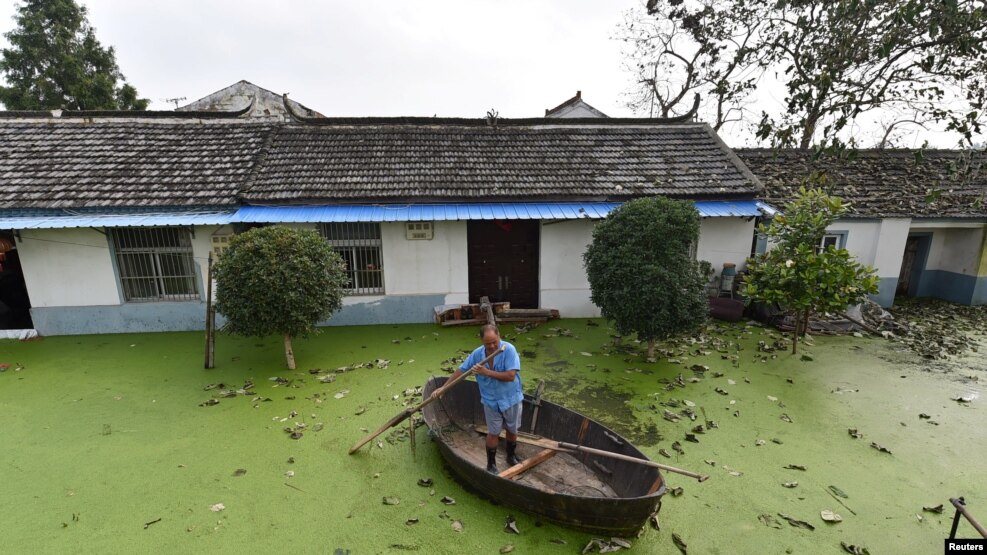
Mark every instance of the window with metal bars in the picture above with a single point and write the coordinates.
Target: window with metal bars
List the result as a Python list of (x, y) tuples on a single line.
[(359, 245), (155, 264)]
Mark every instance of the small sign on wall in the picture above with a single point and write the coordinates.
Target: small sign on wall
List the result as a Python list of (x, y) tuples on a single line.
[(418, 231)]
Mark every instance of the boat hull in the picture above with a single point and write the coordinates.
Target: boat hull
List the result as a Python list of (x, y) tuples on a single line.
[(633, 491)]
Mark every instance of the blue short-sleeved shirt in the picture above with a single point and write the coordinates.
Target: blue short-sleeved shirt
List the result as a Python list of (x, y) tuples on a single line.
[(495, 393)]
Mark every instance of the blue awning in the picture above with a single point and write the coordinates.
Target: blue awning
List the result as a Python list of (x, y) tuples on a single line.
[(115, 220), (463, 211), (372, 213)]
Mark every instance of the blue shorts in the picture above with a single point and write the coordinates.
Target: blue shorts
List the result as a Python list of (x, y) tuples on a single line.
[(510, 419)]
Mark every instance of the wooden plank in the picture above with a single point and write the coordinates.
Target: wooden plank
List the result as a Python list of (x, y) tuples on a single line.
[(528, 463), (447, 323)]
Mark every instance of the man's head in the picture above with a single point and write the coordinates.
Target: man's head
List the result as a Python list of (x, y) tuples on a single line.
[(490, 337)]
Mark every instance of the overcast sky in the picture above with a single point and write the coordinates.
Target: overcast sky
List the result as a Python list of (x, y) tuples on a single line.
[(371, 57), (455, 58)]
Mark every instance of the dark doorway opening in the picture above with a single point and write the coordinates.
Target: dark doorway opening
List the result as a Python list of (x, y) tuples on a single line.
[(503, 261), (912, 264), (15, 307)]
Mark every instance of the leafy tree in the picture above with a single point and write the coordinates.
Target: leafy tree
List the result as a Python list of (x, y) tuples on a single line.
[(278, 280), (800, 275), (54, 61), (641, 273), (840, 63)]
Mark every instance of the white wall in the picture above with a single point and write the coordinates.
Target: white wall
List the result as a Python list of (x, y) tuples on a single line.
[(561, 276), (725, 240), (422, 267), (955, 249), (67, 267)]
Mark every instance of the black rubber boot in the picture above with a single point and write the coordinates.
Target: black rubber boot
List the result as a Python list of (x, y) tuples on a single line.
[(492, 461), (512, 458)]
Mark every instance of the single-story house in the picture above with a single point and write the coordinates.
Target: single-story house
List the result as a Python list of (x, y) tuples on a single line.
[(918, 217), (114, 215)]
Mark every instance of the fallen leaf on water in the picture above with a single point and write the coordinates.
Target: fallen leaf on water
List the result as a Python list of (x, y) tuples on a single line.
[(558, 541), (341, 394), (677, 447), (790, 484), (457, 525), (937, 509), (289, 474), (796, 522), (448, 500), (786, 418), (880, 448), (769, 521), (390, 500), (709, 462), (924, 416), (677, 540), (772, 398), (655, 523), (830, 516), (854, 433), (425, 482), (759, 442), (838, 492), (854, 549), (507, 548), (621, 542), (510, 525), (776, 440), (585, 354), (677, 491), (411, 521), (594, 543), (664, 453), (217, 507), (795, 467), (240, 472), (209, 403)]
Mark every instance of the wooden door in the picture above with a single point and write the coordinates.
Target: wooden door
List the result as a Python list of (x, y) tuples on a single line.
[(912, 245), (503, 261)]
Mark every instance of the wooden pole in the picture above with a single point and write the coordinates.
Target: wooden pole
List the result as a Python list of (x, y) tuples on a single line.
[(398, 418), (210, 319)]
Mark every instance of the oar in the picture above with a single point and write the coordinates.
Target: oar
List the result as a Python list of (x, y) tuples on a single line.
[(532, 439), (400, 417), (602, 453)]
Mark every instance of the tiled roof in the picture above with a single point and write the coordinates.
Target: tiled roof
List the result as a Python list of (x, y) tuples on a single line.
[(118, 160), (881, 183), (426, 161), (75, 164)]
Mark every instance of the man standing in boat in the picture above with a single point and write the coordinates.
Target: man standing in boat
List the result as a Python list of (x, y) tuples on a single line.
[(500, 392)]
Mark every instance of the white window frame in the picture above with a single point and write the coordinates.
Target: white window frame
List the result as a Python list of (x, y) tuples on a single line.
[(146, 258), (837, 238), (359, 243)]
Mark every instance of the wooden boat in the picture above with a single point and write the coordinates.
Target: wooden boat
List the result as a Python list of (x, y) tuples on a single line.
[(568, 487)]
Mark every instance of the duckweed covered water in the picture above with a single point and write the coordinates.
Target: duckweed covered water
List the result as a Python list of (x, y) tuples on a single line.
[(103, 435)]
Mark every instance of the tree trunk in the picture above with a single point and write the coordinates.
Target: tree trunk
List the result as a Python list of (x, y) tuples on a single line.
[(795, 332), (805, 323), (651, 348), (289, 354)]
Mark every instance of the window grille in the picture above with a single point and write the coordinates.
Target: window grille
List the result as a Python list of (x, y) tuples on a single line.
[(359, 245), (155, 264)]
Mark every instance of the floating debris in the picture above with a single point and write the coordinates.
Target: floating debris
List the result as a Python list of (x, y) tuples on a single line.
[(777, 441), (796, 522), (677, 447), (830, 516), (880, 448), (790, 484), (342, 394), (721, 391), (146, 524), (507, 548), (938, 509), (795, 467), (759, 442), (240, 472), (676, 491), (425, 482), (786, 418), (655, 523), (448, 500), (391, 500), (457, 526), (510, 525), (769, 521), (677, 540), (411, 521), (854, 433), (692, 438), (664, 453), (854, 549), (217, 507)]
